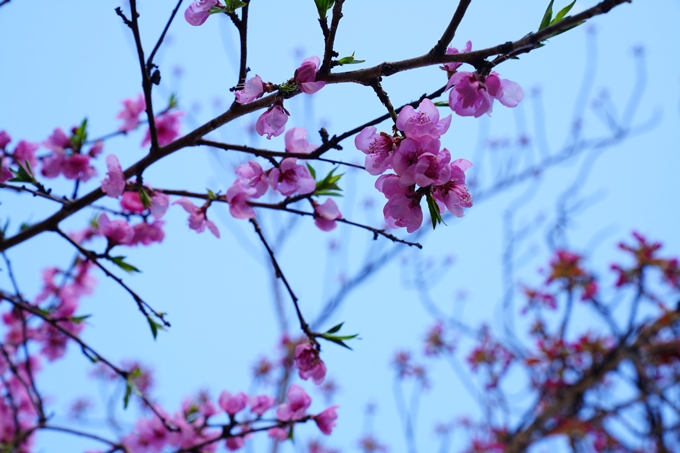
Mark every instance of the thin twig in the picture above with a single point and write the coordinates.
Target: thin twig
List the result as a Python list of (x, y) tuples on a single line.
[(450, 31), (329, 53), (35, 193), (149, 61)]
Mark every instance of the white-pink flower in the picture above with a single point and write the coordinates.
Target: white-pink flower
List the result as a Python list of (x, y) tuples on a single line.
[(296, 406), (305, 76), (197, 218), (253, 89), (325, 216), (197, 12), (114, 183)]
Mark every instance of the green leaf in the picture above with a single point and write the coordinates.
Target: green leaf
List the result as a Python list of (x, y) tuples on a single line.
[(120, 262), (349, 60), (547, 17), (24, 173), (329, 184), (128, 392), (563, 12), (144, 197), (173, 101), (335, 329), (338, 339), (441, 104), (212, 195), (155, 327), (78, 319), (80, 135), (311, 171), (322, 6), (288, 87), (24, 226), (435, 215), (233, 5)]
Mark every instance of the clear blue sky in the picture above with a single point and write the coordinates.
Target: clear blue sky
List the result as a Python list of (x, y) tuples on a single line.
[(61, 63)]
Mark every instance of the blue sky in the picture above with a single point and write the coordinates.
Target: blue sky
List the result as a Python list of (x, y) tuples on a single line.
[(61, 64)]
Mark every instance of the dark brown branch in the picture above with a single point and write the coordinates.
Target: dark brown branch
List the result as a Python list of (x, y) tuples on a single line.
[(384, 98), (81, 434), (243, 38), (35, 193), (450, 32), (279, 274), (329, 53), (143, 306), (149, 62)]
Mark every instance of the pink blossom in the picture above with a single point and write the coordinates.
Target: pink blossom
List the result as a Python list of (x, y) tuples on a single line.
[(305, 76), (4, 139), (148, 233), (96, 149), (58, 141), (238, 197), (406, 156), (295, 408), (130, 113), (296, 141), (116, 231), (131, 202), (197, 218), (25, 151), (473, 94), (326, 420), (159, 204), (309, 363), (233, 404), (454, 194), (424, 123), (114, 183), (77, 166), (291, 177), (429, 169), (260, 404), (52, 164), (325, 216), (451, 67), (167, 127), (253, 89), (251, 175), (198, 11), (235, 443), (277, 433), (272, 122), (403, 204), (5, 173), (379, 149)]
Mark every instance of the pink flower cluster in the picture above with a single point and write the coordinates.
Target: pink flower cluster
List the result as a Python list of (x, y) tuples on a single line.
[(473, 94), (23, 152), (421, 167), (66, 160)]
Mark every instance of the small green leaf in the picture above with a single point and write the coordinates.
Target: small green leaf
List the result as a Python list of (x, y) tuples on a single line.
[(155, 327), (144, 197), (288, 87), (233, 5), (24, 226), (24, 173), (78, 319), (349, 60), (212, 195), (311, 171), (128, 392), (173, 101), (120, 262), (435, 215), (80, 135), (441, 104), (563, 12), (547, 17), (337, 339), (335, 329), (329, 184), (322, 6)]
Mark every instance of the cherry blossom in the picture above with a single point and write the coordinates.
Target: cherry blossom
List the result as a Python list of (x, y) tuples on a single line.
[(259, 404), (296, 141), (233, 404), (272, 122), (130, 113), (114, 183), (473, 94), (423, 123), (167, 127), (277, 433), (454, 194), (290, 177), (238, 196), (197, 219), (325, 216), (296, 407), (450, 68), (118, 232), (25, 152), (326, 420), (253, 89), (4, 139), (148, 233), (305, 76), (379, 149), (309, 363), (198, 11)]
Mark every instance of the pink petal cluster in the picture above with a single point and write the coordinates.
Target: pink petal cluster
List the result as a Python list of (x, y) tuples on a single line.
[(251, 183), (305, 76), (25, 152), (326, 420), (259, 404), (473, 94), (167, 127), (198, 11), (450, 68), (197, 219), (253, 89), (296, 141), (272, 123), (159, 203), (73, 166), (291, 177), (233, 404), (325, 216), (148, 233), (296, 406), (421, 166), (5, 138), (130, 113), (114, 183), (118, 232), (308, 363)]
